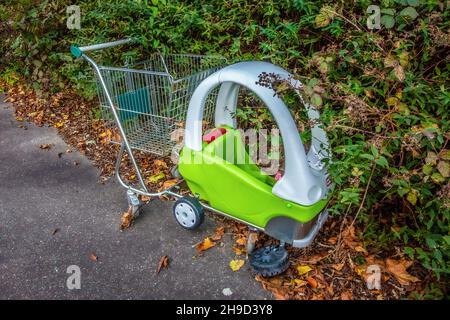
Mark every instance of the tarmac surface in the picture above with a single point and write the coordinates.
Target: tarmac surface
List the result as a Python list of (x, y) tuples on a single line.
[(54, 213)]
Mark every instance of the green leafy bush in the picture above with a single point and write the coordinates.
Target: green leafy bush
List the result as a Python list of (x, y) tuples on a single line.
[(383, 94)]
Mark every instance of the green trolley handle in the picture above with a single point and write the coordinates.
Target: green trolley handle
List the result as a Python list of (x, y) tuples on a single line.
[(79, 51)]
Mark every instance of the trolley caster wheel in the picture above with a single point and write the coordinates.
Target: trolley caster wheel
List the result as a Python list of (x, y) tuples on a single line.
[(134, 203), (175, 172), (270, 261), (189, 213), (251, 242)]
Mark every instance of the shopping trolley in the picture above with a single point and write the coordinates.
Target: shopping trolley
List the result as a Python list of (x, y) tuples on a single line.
[(148, 101)]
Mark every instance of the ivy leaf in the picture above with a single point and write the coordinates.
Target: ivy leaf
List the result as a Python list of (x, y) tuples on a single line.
[(388, 21), (409, 12), (413, 3), (388, 11)]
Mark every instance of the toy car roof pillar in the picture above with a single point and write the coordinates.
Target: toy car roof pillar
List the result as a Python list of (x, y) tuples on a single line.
[(304, 181)]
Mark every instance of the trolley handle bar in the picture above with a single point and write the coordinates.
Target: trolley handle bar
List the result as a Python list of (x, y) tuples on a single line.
[(78, 51)]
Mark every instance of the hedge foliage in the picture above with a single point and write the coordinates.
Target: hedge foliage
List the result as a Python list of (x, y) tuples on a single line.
[(383, 94)]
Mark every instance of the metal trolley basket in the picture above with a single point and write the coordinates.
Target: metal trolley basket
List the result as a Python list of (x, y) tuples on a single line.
[(147, 101)]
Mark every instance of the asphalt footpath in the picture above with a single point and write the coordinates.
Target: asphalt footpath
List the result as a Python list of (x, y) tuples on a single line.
[(56, 218)]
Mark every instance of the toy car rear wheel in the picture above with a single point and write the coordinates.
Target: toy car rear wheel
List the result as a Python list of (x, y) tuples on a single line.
[(189, 213), (269, 261)]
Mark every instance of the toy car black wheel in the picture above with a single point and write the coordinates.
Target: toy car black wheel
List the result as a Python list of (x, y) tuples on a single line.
[(189, 213), (269, 261)]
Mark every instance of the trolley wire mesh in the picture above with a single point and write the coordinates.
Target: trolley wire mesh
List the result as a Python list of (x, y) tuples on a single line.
[(152, 97)]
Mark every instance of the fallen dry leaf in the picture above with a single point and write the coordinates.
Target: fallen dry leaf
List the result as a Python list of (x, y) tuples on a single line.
[(163, 263), (160, 163), (346, 295), (235, 265), (317, 296), (338, 266), (204, 245), (177, 135), (125, 221), (312, 282), (145, 198), (300, 282), (93, 257), (59, 124), (156, 177), (218, 234), (360, 270), (45, 146), (169, 183), (278, 294), (303, 269), (332, 240), (242, 241), (398, 269), (238, 251), (360, 249)]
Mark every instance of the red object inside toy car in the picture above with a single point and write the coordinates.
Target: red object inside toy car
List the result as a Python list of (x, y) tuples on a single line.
[(214, 134)]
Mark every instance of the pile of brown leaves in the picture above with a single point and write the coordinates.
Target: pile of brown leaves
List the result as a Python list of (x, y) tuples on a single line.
[(336, 266), (74, 119)]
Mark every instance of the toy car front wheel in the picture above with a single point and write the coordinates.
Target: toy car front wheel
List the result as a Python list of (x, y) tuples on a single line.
[(269, 261), (189, 213)]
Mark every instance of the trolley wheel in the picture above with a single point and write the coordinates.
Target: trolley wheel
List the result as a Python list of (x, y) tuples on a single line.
[(189, 213), (270, 261), (175, 172), (134, 204), (251, 241)]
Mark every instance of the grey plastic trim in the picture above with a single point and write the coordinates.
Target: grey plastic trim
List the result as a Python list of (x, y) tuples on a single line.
[(306, 241)]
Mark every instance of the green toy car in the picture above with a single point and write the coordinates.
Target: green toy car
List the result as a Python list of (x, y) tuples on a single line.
[(219, 171)]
